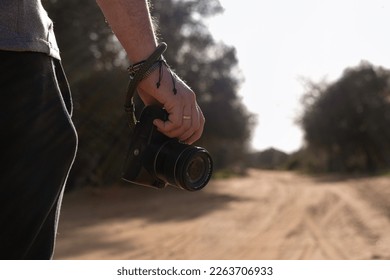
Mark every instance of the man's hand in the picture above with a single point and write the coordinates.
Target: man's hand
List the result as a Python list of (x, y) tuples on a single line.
[(186, 120)]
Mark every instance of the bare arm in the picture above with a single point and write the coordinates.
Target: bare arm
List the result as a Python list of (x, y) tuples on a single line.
[(130, 21)]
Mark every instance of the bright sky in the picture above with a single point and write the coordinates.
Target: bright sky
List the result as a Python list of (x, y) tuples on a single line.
[(279, 42)]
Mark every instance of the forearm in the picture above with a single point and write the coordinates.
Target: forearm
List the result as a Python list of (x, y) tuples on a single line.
[(130, 21)]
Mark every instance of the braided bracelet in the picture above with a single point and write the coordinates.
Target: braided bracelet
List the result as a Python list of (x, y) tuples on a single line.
[(133, 69)]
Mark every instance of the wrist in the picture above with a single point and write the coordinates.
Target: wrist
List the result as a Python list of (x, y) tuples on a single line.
[(149, 74), (152, 78), (159, 82)]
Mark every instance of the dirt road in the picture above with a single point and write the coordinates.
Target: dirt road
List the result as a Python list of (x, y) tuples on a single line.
[(267, 215)]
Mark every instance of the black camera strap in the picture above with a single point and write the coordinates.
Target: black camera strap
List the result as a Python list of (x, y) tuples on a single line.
[(136, 79)]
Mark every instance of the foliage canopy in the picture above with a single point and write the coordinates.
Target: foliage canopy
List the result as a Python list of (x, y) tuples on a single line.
[(347, 123)]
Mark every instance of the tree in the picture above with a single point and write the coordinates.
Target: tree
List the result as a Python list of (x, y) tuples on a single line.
[(95, 64), (347, 123)]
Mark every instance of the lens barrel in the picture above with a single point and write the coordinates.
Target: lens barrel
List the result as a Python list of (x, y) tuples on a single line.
[(185, 166)]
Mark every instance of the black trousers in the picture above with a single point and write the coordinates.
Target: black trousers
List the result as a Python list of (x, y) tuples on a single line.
[(38, 143)]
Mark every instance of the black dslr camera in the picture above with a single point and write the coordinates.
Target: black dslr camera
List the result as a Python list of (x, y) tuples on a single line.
[(156, 160)]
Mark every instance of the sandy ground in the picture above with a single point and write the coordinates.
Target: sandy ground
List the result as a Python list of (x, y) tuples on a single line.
[(267, 215)]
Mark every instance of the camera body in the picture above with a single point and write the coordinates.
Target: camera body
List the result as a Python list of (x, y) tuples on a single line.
[(155, 160)]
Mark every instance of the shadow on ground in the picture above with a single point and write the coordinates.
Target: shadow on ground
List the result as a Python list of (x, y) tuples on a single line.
[(156, 206), (98, 221)]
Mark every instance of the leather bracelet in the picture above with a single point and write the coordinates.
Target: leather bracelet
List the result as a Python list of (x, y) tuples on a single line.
[(134, 81), (133, 69)]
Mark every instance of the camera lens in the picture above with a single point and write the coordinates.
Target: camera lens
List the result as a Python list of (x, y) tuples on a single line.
[(194, 168), (182, 165)]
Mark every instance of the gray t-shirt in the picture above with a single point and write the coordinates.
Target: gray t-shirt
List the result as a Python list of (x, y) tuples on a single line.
[(25, 26)]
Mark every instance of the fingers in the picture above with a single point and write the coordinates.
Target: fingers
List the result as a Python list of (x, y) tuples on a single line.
[(187, 129), (198, 132), (184, 124), (185, 118)]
